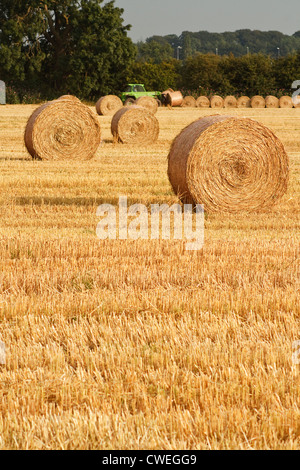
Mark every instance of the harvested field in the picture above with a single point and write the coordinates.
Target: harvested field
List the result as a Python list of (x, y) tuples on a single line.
[(141, 344)]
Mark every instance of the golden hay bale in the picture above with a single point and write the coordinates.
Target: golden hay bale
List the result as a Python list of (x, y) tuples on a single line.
[(230, 102), (134, 125), (272, 102), (203, 102), (63, 129), (244, 102), (108, 105), (216, 102), (228, 164), (296, 101), (286, 102), (174, 98), (169, 90), (69, 97), (189, 102), (148, 102), (258, 102)]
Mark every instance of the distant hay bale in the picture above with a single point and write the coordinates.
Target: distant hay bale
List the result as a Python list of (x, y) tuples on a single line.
[(296, 101), (63, 129), (286, 102), (203, 102), (217, 102), (258, 102), (228, 164), (108, 105), (174, 98), (272, 102), (134, 125), (148, 102), (230, 102), (244, 102), (169, 90), (189, 102), (69, 97)]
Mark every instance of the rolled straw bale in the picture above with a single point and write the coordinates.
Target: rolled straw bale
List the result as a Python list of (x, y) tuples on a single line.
[(189, 102), (258, 102), (148, 102), (69, 97), (174, 98), (134, 125), (286, 102), (63, 129), (228, 164), (108, 105), (230, 102), (216, 102), (244, 102), (169, 90), (272, 102), (296, 101), (203, 102)]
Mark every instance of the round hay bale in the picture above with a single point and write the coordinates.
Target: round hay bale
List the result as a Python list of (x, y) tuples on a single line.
[(258, 102), (108, 105), (148, 102), (135, 125), (216, 102), (63, 129), (228, 164), (203, 102), (69, 97), (286, 102), (174, 98), (244, 102), (272, 102), (230, 102), (188, 102), (169, 90)]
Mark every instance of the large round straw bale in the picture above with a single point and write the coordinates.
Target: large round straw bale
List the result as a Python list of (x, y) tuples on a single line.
[(63, 129), (272, 102), (230, 102), (244, 102), (134, 125), (148, 102), (286, 102), (174, 98), (228, 164), (188, 102), (108, 105), (258, 102), (203, 102), (217, 102)]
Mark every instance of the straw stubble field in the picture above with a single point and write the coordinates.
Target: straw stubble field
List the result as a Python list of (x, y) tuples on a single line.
[(137, 344)]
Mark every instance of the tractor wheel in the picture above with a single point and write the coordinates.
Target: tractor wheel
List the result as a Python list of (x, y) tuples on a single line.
[(129, 102)]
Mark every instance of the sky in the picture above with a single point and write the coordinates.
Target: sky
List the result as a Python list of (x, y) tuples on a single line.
[(162, 17)]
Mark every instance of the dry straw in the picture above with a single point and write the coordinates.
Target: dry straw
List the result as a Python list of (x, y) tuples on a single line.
[(64, 129), (230, 102), (203, 102), (244, 102), (217, 102), (272, 102), (286, 102), (134, 125), (258, 102), (228, 164), (189, 102), (108, 105), (148, 102)]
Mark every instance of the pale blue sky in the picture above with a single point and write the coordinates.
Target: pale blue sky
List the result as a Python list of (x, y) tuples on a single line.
[(164, 17)]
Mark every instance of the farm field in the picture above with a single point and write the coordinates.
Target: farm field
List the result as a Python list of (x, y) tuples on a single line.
[(141, 344)]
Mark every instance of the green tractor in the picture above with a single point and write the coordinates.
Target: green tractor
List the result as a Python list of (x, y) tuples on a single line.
[(133, 91)]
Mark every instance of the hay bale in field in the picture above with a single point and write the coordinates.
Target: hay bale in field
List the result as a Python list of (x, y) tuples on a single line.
[(173, 98), (148, 102), (258, 102), (63, 129), (286, 102), (230, 102), (203, 102), (134, 125), (216, 102), (69, 97), (108, 105), (228, 164), (244, 102), (272, 102), (188, 102)]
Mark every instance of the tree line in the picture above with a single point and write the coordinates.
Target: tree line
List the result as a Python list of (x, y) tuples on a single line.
[(54, 47)]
